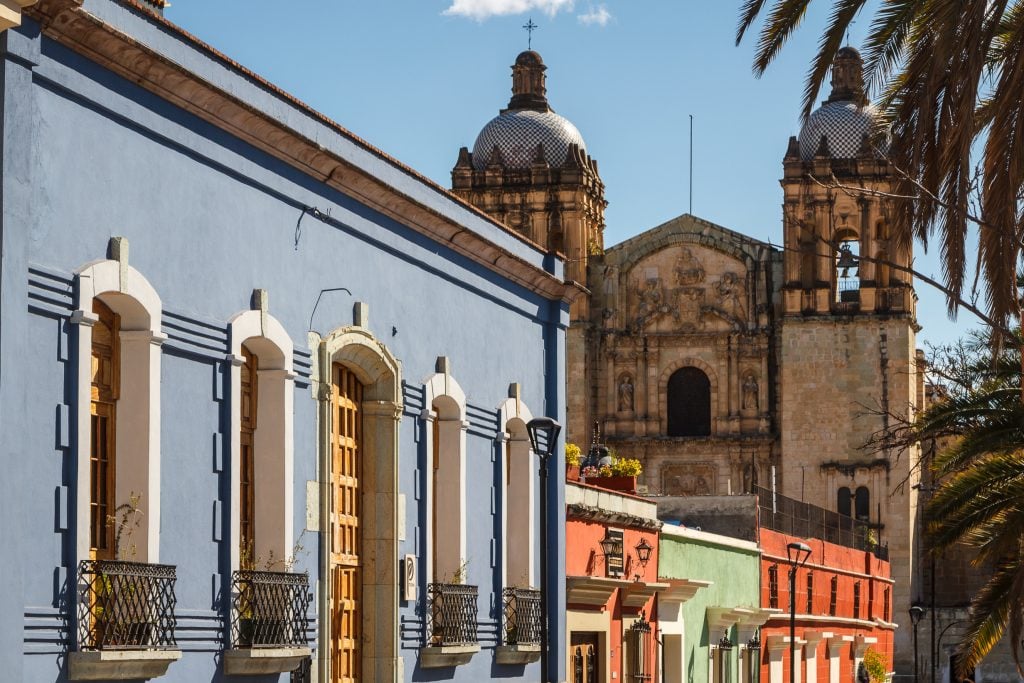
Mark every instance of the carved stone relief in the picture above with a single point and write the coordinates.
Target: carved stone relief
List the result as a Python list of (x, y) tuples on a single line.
[(691, 479)]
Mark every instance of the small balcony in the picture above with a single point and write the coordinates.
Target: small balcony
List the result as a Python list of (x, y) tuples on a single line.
[(268, 622), (126, 621), (522, 626), (451, 625)]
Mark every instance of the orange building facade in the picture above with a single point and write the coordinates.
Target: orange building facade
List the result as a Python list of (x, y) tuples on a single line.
[(844, 599), (611, 584)]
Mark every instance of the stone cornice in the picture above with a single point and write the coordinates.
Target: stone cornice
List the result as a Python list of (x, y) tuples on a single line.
[(595, 514), (66, 22)]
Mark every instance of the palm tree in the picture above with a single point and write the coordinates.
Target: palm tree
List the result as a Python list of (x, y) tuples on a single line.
[(979, 501), (950, 75)]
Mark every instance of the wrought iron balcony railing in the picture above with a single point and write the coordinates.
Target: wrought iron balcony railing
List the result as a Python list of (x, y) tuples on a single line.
[(522, 616), (126, 605), (794, 517), (452, 614), (269, 609)]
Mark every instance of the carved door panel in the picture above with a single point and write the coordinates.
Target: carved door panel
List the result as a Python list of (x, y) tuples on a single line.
[(584, 665), (346, 582)]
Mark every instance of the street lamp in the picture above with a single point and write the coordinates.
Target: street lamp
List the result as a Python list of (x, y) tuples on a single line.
[(798, 554), (543, 433), (916, 612), (643, 552)]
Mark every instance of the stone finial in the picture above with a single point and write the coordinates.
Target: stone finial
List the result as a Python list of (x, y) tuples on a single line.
[(496, 158), (823, 150), (793, 149), (848, 77), (538, 157), (443, 366), (465, 159), (572, 158), (361, 314), (117, 249), (529, 87), (260, 300), (514, 390)]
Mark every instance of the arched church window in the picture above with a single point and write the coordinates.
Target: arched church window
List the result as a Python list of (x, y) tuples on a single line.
[(689, 403), (862, 504), (844, 502)]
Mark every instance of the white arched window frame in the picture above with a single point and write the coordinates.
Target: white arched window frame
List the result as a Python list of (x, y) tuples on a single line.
[(519, 478), (137, 429), (446, 479), (273, 445)]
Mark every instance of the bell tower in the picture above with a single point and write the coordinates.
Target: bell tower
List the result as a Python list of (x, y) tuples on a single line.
[(849, 364), (530, 169)]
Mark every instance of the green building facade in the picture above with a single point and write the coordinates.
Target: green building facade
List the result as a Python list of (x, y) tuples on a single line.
[(710, 614)]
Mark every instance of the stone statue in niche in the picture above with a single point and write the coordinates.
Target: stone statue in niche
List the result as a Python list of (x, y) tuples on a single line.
[(688, 269), (731, 294), (749, 478), (626, 394), (750, 393)]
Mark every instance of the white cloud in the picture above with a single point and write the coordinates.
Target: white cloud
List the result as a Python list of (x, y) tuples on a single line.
[(595, 16), (485, 9)]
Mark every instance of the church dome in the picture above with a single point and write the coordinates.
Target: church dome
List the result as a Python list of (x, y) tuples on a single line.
[(843, 124), (845, 118), (518, 132), (528, 127)]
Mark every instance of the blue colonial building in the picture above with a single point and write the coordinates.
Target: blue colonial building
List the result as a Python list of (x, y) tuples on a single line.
[(263, 389)]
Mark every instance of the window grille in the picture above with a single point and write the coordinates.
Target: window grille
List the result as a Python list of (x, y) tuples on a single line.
[(885, 605), (810, 592), (773, 586), (638, 639), (856, 600), (833, 596)]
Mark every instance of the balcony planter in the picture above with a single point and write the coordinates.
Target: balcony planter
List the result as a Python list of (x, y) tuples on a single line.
[(623, 484), (126, 621), (572, 472), (452, 637), (268, 614), (522, 622)]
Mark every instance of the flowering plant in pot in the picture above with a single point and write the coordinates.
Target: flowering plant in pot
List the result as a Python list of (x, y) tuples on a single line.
[(572, 462)]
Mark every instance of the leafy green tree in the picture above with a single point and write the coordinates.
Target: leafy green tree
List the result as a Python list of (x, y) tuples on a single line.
[(950, 75), (977, 423)]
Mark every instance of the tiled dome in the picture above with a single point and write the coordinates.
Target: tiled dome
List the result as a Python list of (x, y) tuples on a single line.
[(517, 133), (843, 124)]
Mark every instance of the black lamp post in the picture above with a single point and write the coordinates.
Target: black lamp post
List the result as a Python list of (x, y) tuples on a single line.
[(916, 612), (798, 554), (543, 433)]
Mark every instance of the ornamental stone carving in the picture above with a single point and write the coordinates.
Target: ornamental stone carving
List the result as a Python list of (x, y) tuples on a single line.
[(688, 269), (690, 479), (626, 394), (750, 396)]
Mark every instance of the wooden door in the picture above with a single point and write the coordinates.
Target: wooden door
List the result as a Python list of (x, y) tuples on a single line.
[(247, 468), (103, 413), (346, 582), (585, 653)]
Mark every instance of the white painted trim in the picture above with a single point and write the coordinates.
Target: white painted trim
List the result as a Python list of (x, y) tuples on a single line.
[(130, 295), (273, 443), (446, 401), (708, 537), (518, 471)]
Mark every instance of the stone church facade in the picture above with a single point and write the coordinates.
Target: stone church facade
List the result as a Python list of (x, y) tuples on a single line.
[(720, 361)]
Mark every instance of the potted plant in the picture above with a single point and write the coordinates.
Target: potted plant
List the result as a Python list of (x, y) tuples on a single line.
[(120, 621), (621, 475), (572, 462)]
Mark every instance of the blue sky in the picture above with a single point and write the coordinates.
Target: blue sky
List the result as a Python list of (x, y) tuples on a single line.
[(420, 78)]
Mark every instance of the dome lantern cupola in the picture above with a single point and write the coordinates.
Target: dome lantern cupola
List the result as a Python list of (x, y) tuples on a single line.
[(848, 78), (529, 90)]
